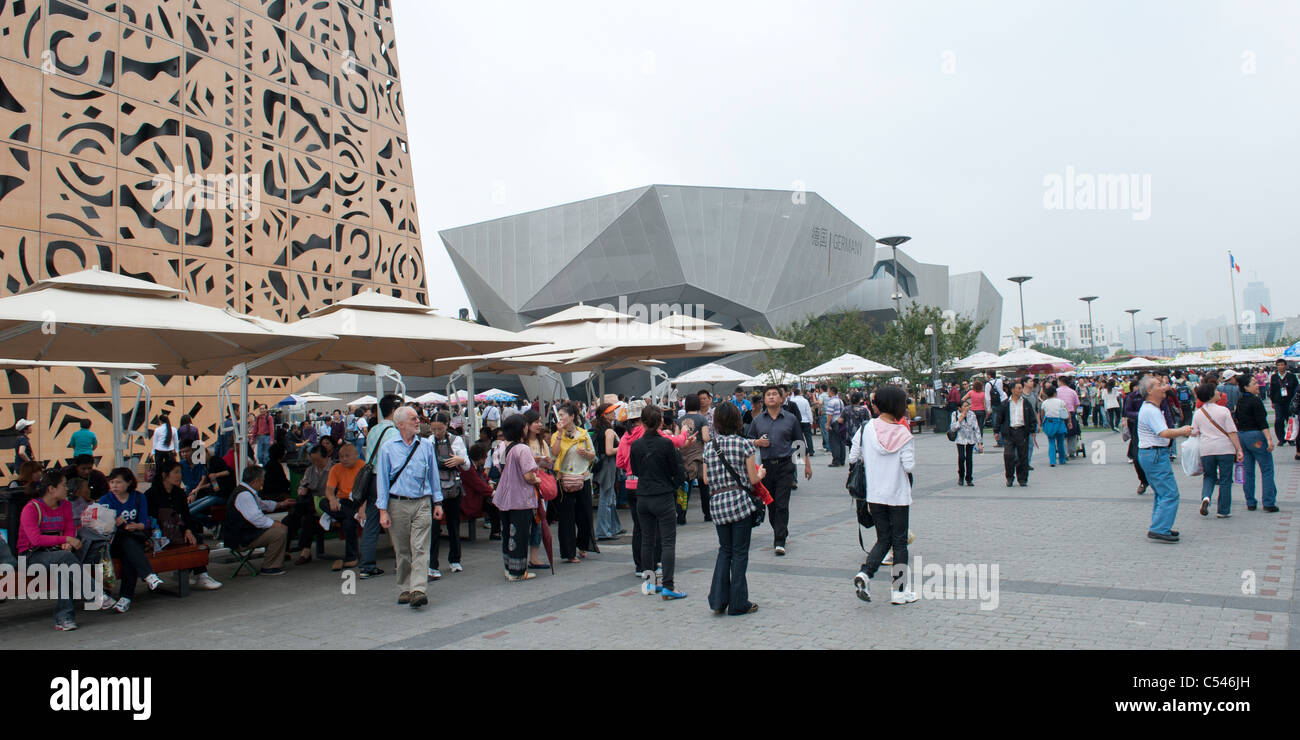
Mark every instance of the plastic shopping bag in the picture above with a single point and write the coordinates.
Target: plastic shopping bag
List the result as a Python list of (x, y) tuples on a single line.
[(1189, 454), (99, 518), (1292, 428)]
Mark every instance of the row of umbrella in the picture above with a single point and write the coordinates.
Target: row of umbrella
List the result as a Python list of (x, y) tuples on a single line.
[(124, 325)]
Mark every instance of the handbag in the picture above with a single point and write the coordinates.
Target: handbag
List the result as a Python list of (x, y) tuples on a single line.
[(952, 428), (546, 486), (171, 524), (364, 484)]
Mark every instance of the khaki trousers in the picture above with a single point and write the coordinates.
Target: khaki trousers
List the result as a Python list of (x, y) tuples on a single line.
[(274, 538), (412, 526)]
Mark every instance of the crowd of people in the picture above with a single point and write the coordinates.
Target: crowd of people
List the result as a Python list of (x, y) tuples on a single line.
[(567, 470)]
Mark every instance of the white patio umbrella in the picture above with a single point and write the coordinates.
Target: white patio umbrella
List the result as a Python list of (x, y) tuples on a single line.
[(104, 317), (364, 401), (387, 336), (848, 364), (711, 375), (431, 397), (973, 361), (1018, 358), (771, 377)]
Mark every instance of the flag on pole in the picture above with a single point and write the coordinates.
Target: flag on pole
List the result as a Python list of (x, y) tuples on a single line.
[(1232, 262), (1264, 310)]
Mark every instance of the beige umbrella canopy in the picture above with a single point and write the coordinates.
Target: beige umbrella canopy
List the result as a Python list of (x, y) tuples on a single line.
[(712, 339), (1019, 358), (106, 317)]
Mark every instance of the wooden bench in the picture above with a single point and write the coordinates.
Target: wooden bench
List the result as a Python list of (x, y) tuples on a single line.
[(179, 558)]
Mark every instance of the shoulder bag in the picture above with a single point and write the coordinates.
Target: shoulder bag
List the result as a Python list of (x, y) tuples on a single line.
[(364, 488), (757, 490), (953, 427)]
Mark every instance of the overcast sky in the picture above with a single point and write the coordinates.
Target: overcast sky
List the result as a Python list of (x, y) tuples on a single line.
[(945, 121)]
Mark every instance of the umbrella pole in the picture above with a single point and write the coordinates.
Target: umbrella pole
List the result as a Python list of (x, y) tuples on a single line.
[(241, 436), (470, 419), (115, 379)]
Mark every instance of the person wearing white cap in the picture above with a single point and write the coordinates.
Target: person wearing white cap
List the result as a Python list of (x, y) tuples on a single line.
[(23, 445), (1229, 388)]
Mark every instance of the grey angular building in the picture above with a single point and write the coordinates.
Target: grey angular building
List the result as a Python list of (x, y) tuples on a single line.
[(748, 259)]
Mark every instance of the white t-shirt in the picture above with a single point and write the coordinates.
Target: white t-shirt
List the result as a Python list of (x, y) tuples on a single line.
[(805, 410)]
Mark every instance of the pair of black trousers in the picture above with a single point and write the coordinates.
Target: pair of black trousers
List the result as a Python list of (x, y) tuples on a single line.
[(346, 516), (129, 551), (493, 515), (1015, 454), (573, 512), (451, 518), (658, 516), (807, 437), (779, 480), (891, 533), (730, 590), (1280, 415), (640, 565), (965, 462), (303, 520)]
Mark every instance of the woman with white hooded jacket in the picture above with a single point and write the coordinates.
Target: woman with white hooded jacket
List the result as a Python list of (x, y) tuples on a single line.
[(886, 450)]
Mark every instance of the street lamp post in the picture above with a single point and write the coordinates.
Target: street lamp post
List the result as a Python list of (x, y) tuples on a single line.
[(892, 242), (1151, 343), (1092, 332), (1020, 281), (1161, 320), (1132, 312), (934, 355)]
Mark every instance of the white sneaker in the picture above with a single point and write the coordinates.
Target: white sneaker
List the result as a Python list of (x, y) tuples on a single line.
[(889, 559), (153, 581), (457, 568), (897, 597), (911, 596), (779, 549), (106, 602), (434, 574), (122, 606), (863, 585), (206, 582)]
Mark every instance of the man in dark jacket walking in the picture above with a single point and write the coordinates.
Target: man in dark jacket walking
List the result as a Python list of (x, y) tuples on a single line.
[(1017, 424), (1281, 391)]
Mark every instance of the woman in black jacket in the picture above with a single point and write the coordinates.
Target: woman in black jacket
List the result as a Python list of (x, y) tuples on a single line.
[(660, 473), (1256, 443), (168, 492)]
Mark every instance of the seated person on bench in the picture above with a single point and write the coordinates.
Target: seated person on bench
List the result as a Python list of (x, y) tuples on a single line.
[(47, 536), (339, 505), (248, 526), (167, 496), (304, 514), (134, 528)]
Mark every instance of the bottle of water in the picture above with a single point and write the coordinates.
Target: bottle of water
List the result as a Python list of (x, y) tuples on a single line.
[(159, 542)]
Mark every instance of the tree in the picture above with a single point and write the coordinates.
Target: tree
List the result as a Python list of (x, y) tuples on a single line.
[(901, 343), (1217, 347)]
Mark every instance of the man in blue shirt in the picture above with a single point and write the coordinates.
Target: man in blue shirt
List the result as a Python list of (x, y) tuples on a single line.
[(406, 479), (83, 440), (1154, 437), (741, 402)]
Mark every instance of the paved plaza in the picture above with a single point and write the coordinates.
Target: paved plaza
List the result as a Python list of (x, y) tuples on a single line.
[(1075, 571)]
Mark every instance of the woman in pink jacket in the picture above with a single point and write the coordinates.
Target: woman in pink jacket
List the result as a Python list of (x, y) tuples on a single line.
[(47, 537)]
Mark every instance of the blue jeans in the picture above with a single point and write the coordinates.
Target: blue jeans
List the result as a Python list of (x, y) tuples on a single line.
[(263, 448), (1164, 509), (607, 523), (1255, 446), (201, 505), (826, 440), (730, 590), (1218, 472), (1055, 448)]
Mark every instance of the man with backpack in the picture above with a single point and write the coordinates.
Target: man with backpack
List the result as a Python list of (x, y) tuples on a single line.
[(1183, 392), (993, 398), (368, 514)]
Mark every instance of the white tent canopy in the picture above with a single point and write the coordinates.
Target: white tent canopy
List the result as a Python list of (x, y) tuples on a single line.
[(848, 364), (431, 397), (1138, 363), (364, 401), (711, 339)]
